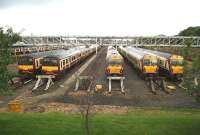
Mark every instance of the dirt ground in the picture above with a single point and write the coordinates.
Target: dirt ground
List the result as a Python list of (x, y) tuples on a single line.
[(73, 108)]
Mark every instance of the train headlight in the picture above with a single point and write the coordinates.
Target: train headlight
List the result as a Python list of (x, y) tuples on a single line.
[(177, 70)]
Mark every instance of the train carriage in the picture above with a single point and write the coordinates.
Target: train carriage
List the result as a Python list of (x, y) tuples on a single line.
[(59, 63), (146, 64)]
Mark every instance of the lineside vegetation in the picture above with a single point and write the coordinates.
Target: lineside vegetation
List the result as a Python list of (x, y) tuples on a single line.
[(7, 39)]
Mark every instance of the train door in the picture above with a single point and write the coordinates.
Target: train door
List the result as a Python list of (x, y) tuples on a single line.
[(76, 58), (34, 64), (37, 63), (67, 63), (61, 65), (141, 65), (167, 65), (40, 62)]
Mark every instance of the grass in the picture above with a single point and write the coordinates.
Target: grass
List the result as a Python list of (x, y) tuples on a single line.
[(136, 122)]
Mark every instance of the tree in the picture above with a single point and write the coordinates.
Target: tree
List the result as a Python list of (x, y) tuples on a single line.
[(191, 79), (7, 39), (190, 31), (192, 71)]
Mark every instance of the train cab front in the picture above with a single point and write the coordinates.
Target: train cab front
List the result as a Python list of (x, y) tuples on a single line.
[(25, 65), (150, 67), (114, 68), (50, 66), (177, 68)]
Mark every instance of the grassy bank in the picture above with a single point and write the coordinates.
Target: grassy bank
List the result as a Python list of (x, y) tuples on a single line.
[(136, 122)]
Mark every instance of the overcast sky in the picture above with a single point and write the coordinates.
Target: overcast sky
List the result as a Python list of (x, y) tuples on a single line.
[(100, 17)]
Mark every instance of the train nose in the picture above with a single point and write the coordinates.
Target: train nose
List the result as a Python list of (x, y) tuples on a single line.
[(50, 70), (25, 67), (151, 69), (177, 70), (115, 69)]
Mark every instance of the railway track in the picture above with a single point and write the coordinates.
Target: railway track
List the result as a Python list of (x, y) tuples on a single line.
[(156, 84)]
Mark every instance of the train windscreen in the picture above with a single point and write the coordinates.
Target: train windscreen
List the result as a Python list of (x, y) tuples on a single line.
[(50, 62), (115, 63), (150, 62), (25, 61), (177, 62)]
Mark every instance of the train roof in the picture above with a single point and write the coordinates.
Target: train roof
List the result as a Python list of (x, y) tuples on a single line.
[(43, 54), (64, 54), (70, 52), (112, 52), (135, 52), (158, 53)]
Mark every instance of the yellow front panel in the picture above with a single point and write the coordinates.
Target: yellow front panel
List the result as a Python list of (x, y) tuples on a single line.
[(25, 67), (114, 69), (177, 69), (49, 68), (150, 69)]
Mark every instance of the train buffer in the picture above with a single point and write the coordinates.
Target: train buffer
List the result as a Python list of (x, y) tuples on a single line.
[(110, 78), (41, 79)]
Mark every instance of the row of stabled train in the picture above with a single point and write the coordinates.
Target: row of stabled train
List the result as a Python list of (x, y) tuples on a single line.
[(153, 63), (53, 62)]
